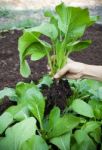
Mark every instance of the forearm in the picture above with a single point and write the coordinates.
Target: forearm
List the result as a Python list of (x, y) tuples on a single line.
[(93, 72)]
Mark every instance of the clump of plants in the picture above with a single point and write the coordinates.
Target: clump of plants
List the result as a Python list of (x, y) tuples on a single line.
[(34, 123), (25, 127), (64, 30)]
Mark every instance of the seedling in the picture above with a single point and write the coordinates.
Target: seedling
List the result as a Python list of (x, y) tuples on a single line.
[(64, 30)]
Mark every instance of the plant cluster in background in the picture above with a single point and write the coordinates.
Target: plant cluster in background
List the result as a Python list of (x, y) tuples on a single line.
[(13, 19), (27, 128)]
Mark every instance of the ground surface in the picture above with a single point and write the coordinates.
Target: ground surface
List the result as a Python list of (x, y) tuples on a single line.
[(9, 59)]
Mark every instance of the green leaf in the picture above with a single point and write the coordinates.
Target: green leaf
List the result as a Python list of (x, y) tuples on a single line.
[(37, 50), (61, 59), (5, 120), (30, 44), (97, 108), (100, 93), (96, 135), (69, 122), (62, 142), (45, 29), (72, 20), (30, 94), (91, 126), (78, 45), (9, 92), (25, 69), (53, 18), (34, 143), (84, 142), (93, 19), (19, 112), (53, 117), (94, 84), (24, 42), (46, 80), (18, 134), (82, 108)]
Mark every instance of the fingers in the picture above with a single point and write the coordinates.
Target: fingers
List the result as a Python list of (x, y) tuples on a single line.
[(62, 72), (74, 76), (48, 67)]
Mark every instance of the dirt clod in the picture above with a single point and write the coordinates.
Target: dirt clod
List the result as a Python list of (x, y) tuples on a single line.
[(57, 94)]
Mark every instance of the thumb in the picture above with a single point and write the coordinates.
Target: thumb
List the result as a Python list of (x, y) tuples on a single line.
[(62, 72)]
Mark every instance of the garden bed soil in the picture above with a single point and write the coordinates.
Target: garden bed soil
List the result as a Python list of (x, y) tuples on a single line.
[(9, 59)]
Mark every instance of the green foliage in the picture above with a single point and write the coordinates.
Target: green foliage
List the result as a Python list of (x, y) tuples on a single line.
[(64, 30), (10, 92), (18, 134), (30, 94), (82, 108), (55, 123), (5, 120), (46, 80), (4, 12), (83, 141), (35, 143), (25, 126), (62, 142)]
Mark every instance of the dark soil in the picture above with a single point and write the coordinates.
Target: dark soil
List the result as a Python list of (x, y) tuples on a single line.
[(6, 103), (93, 54), (9, 59), (56, 95)]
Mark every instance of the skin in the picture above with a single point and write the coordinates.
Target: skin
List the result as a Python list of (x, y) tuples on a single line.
[(77, 70)]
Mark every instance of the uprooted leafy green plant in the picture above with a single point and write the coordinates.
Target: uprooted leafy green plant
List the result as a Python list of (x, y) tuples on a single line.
[(27, 128), (24, 126), (64, 30)]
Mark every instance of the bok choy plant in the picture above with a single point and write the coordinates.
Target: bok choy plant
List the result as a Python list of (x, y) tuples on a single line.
[(25, 126), (64, 30)]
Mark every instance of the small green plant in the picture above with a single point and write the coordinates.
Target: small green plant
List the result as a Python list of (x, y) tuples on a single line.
[(65, 28)]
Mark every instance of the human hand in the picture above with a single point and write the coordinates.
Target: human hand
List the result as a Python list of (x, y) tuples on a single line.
[(72, 70)]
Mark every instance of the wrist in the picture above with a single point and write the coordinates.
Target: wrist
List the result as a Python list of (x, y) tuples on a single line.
[(91, 72)]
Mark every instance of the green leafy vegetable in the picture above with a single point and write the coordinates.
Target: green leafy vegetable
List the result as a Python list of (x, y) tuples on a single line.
[(19, 112), (33, 97), (69, 122), (18, 134), (84, 142), (9, 92), (34, 143), (62, 142), (91, 126), (82, 108), (5, 120), (64, 30), (46, 80), (77, 128), (97, 108)]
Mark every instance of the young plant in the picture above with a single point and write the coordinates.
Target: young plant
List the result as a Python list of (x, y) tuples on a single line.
[(64, 31)]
